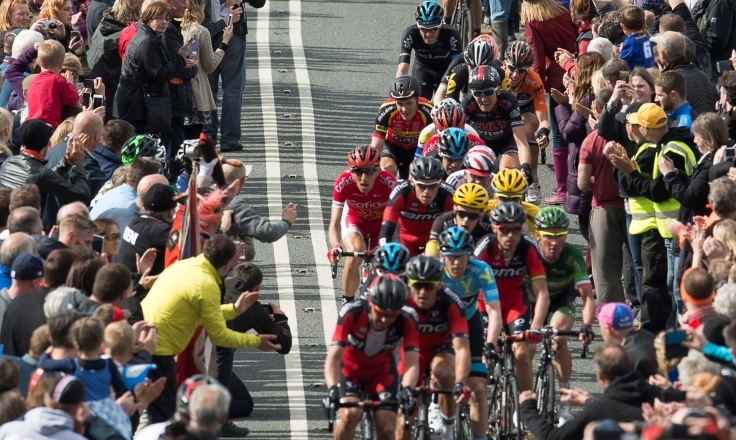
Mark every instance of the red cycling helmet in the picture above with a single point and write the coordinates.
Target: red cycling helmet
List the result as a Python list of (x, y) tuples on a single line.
[(363, 157)]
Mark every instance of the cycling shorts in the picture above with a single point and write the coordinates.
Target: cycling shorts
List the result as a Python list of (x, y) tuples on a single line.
[(504, 147), (415, 245), (426, 356), (363, 228), (528, 108), (377, 384), (402, 157), (429, 78), (521, 324), (477, 341), (564, 304)]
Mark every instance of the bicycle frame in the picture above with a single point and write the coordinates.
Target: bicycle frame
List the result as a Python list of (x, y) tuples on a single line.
[(365, 266), (462, 20), (366, 423), (504, 419)]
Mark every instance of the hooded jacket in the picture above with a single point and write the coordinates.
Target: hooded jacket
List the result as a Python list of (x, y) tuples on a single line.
[(80, 302), (42, 424), (573, 131), (103, 56)]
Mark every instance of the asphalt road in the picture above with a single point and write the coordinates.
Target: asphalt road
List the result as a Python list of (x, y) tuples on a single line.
[(351, 50)]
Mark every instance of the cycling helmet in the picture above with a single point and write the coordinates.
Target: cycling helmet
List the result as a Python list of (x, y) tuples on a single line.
[(471, 195), (392, 258), (551, 217), (187, 145), (143, 145), (184, 393), (405, 86), (519, 55), (508, 212), (490, 40), (509, 181), (429, 13), (480, 161), (363, 157), (454, 143), (424, 268), (426, 168), (449, 113), (388, 292), (478, 53), (456, 241), (483, 78)]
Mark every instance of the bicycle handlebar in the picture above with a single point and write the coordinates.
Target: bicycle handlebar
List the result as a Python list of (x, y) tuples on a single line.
[(365, 255), (430, 390), (365, 404), (546, 332)]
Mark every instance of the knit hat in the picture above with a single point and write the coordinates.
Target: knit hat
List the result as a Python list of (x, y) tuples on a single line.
[(616, 315), (35, 134), (67, 390), (159, 198), (651, 116), (27, 267)]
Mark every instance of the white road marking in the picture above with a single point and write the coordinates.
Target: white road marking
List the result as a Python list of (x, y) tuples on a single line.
[(293, 362), (317, 225)]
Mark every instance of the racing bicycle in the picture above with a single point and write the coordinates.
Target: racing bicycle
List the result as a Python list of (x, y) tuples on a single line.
[(504, 417), (366, 427), (365, 266), (462, 20), (463, 426)]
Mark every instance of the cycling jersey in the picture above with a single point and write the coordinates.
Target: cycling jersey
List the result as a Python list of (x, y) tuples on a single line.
[(511, 274), (531, 213), (436, 56), (565, 274), (412, 216), (432, 146), (529, 92), (429, 131), (495, 127), (457, 75), (392, 127), (478, 279), (449, 219), (366, 207)]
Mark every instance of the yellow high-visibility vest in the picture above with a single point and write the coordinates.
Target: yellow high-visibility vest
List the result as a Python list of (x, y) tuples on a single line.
[(641, 208), (671, 207)]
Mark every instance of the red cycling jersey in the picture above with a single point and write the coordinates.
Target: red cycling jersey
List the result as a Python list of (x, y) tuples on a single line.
[(433, 143), (414, 218), (365, 207), (392, 127), (511, 275), (366, 348)]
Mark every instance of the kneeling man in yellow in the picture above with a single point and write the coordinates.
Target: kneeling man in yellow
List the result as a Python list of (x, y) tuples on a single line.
[(186, 295)]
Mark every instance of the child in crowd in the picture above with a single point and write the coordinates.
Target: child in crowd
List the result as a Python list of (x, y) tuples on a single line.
[(119, 342), (51, 91), (637, 48)]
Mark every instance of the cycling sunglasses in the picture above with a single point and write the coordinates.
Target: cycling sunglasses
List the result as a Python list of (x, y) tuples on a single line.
[(368, 171), (513, 69), (553, 235), (468, 215), (509, 231), (507, 198), (429, 30), (422, 284), (385, 313), (484, 93), (433, 185)]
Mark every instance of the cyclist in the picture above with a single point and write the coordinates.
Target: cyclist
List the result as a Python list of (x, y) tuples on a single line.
[(365, 189), (400, 120), (527, 87), (566, 280), (471, 201), (471, 279), (389, 258), (433, 44), (361, 356), (496, 115), (509, 185), (482, 51), (446, 114), (480, 162), (443, 336), (415, 204), (513, 259)]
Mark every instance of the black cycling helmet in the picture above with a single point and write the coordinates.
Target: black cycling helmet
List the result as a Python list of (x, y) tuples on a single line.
[(429, 13), (519, 55), (405, 86), (508, 212), (388, 292), (478, 53), (484, 77), (424, 268), (426, 168), (392, 258), (184, 393)]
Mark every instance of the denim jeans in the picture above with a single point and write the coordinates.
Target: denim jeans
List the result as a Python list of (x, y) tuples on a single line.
[(232, 71), (635, 248), (555, 137), (500, 10), (672, 287), (486, 10)]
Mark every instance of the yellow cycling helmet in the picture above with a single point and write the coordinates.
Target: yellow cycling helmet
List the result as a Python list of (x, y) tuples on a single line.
[(471, 195), (509, 181)]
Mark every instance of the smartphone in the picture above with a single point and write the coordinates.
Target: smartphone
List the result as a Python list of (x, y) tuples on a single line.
[(97, 101), (98, 243), (89, 84), (229, 20), (672, 340), (86, 96), (623, 75), (724, 66), (269, 308), (75, 34), (730, 153), (193, 46)]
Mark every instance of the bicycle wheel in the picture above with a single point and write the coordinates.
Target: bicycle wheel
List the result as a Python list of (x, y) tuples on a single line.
[(494, 409), (421, 429), (546, 393), (511, 414), (366, 426), (463, 425)]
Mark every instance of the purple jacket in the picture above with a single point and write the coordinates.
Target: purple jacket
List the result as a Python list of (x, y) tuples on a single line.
[(573, 129), (16, 73)]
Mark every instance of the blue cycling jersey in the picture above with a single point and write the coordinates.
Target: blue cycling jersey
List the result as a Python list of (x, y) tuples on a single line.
[(478, 279)]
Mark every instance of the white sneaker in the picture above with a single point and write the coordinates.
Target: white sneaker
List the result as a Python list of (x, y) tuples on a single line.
[(435, 417), (448, 432), (565, 415), (533, 195), (486, 20)]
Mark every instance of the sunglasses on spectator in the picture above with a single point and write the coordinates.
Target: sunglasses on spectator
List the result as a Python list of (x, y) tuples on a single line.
[(113, 237), (509, 231), (553, 235), (384, 313), (422, 284), (484, 93), (513, 69), (360, 171), (468, 215), (432, 185), (430, 30)]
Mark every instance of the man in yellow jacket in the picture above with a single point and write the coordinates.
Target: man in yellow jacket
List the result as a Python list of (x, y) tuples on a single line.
[(186, 295)]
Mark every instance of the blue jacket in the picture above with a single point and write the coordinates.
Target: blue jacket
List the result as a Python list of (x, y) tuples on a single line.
[(109, 161), (682, 116), (637, 51)]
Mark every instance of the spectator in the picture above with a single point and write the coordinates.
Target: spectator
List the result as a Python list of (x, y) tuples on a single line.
[(113, 137), (717, 33), (727, 101), (12, 406), (186, 293), (39, 343), (59, 415), (147, 62), (122, 196), (582, 14), (670, 93), (13, 246), (61, 11), (9, 375), (107, 229), (4, 211), (12, 95), (27, 274), (723, 242), (112, 285), (51, 91), (118, 178), (6, 129), (123, 216), (636, 49), (77, 230), (670, 53), (246, 224), (29, 167), (680, 20), (602, 46), (25, 195), (697, 294), (25, 219), (26, 312), (14, 15)]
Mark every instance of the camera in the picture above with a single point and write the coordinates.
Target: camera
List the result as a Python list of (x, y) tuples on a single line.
[(238, 6), (49, 25), (724, 66)]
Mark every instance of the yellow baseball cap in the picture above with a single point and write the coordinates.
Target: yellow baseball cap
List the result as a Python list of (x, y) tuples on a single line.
[(651, 116)]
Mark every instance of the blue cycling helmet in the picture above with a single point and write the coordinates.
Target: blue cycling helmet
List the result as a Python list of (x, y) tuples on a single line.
[(429, 13), (454, 143), (392, 258), (456, 241)]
